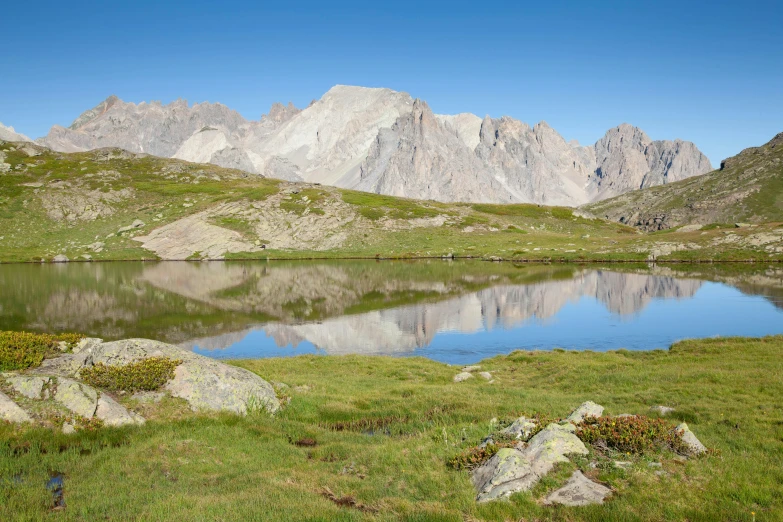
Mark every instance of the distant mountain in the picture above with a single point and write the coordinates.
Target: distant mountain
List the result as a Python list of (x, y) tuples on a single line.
[(9, 134), (383, 141), (747, 188)]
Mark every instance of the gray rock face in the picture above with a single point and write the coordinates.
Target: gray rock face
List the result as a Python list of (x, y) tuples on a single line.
[(579, 491), (587, 409), (85, 401), (77, 397), (511, 470), (31, 386), (9, 411), (627, 159), (383, 141), (694, 445), (204, 383), (60, 258)]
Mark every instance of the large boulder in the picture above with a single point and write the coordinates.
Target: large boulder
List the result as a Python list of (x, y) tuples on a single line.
[(204, 383), (511, 469), (579, 491), (11, 412)]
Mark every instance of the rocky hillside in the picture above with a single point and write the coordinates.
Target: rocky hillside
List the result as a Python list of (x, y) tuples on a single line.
[(113, 204), (748, 188), (386, 142)]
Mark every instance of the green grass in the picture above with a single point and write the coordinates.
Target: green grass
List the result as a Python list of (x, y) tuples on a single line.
[(221, 467)]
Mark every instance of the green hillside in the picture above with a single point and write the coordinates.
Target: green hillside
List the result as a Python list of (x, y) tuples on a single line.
[(111, 204)]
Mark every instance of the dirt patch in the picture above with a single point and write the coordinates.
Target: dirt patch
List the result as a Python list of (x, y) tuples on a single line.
[(346, 501)]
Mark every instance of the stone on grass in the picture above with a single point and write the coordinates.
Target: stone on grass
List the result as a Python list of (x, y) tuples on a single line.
[(511, 470), (471, 368), (464, 376), (587, 409), (11, 412), (622, 464), (693, 445), (60, 258), (662, 410), (68, 428), (522, 428), (31, 386), (579, 491), (486, 375)]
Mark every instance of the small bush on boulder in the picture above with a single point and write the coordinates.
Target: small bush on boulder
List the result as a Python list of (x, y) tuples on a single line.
[(145, 375), (22, 350)]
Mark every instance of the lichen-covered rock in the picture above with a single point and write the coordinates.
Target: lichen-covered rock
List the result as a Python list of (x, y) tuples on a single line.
[(521, 428), (11, 412), (31, 386), (463, 376), (693, 444), (511, 470), (579, 491), (77, 397), (114, 414), (204, 383), (587, 409)]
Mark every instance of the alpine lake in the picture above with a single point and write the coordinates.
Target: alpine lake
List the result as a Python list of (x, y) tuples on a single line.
[(457, 312)]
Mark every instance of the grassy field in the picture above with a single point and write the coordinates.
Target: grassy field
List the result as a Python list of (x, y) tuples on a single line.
[(77, 205), (381, 430)]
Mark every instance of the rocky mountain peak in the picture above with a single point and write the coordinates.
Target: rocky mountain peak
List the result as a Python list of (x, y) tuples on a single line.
[(279, 113), (385, 141), (89, 115)]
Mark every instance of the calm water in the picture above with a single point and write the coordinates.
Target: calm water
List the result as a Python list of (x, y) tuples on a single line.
[(456, 312)]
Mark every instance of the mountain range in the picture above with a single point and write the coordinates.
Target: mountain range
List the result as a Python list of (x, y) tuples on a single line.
[(383, 141)]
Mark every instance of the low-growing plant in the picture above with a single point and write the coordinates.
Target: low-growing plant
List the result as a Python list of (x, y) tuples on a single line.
[(145, 375), (475, 456), (22, 350), (634, 434)]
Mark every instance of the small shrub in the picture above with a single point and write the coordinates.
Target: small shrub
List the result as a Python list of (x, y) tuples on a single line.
[(145, 375), (636, 434), (475, 456), (22, 350)]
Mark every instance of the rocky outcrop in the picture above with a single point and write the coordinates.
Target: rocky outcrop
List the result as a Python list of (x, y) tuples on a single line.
[(204, 383), (579, 491), (512, 470), (384, 141)]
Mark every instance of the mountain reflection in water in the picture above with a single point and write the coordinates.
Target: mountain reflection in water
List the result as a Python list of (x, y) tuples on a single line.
[(451, 311)]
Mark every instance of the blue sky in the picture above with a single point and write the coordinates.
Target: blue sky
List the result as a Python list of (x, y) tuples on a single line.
[(709, 72)]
